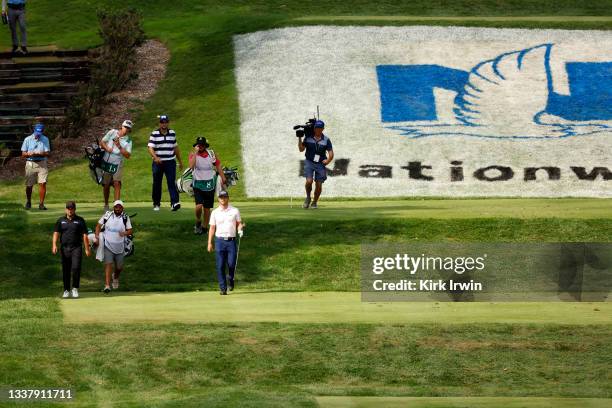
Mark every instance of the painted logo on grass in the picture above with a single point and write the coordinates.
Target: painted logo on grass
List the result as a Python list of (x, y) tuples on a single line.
[(429, 111), (508, 96)]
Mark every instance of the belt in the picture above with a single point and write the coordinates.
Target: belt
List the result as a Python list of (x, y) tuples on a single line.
[(34, 160), (226, 238)]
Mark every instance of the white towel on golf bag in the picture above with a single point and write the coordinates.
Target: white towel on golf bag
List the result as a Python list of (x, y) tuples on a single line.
[(100, 249)]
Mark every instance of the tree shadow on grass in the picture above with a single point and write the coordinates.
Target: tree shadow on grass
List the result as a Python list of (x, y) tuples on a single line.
[(303, 254)]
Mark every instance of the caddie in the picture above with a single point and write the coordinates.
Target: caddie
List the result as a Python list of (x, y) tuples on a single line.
[(116, 225), (206, 168), (117, 145)]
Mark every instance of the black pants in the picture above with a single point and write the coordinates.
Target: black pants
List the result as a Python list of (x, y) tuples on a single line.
[(71, 265)]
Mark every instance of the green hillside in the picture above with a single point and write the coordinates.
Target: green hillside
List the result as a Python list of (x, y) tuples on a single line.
[(199, 91)]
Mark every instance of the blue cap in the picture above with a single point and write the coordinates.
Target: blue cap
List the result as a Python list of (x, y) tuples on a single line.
[(39, 127), (164, 118), (319, 124)]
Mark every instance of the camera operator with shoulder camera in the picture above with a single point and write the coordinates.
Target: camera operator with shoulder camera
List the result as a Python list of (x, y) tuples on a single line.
[(318, 154)]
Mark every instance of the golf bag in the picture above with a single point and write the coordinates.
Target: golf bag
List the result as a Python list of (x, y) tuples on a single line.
[(94, 154), (184, 184)]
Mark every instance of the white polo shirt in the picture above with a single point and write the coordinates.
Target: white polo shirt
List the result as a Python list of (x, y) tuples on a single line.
[(225, 221)]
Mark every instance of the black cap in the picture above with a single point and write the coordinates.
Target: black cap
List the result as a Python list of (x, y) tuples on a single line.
[(223, 193), (201, 140), (70, 204)]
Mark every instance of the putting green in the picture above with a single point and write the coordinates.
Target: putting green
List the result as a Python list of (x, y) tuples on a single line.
[(461, 402), (317, 307)]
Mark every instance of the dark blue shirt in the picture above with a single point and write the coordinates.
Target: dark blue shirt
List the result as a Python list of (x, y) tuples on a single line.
[(321, 148)]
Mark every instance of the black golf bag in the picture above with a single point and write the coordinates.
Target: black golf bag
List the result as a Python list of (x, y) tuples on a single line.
[(94, 154)]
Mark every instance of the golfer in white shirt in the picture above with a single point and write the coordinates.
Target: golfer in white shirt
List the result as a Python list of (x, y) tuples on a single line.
[(225, 224)]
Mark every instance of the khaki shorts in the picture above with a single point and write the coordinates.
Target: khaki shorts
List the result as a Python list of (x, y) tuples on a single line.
[(36, 172), (108, 178)]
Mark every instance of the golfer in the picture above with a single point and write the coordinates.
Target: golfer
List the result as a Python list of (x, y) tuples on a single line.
[(36, 149), (71, 231), (164, 151), (206, 166), (225, 223), (319, 153), (116, 225), (117, 145)]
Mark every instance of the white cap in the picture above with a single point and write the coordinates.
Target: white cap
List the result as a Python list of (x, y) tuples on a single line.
[(127, 123), (118, 202)]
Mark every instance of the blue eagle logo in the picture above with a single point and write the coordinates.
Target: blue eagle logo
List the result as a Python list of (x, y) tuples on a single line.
[(510, 96)]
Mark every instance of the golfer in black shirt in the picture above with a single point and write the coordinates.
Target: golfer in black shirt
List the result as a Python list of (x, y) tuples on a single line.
[(71, 230)]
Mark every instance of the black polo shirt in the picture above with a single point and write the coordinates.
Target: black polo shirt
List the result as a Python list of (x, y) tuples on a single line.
[(71, 231)]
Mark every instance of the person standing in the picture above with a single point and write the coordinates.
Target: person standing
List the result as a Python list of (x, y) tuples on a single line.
[(165, 151), (71, 232), (206, 166), (117, 145), (116, 225), (36, 149), (319, 153), (225, 224), (16, 15)]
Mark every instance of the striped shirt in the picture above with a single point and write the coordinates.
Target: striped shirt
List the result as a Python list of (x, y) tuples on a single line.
[(163, 145)]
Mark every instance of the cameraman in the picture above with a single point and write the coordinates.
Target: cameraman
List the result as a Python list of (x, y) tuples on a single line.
[(319, 154)]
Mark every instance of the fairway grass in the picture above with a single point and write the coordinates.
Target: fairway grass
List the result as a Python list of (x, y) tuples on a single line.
[(453, 402), (318, 307)]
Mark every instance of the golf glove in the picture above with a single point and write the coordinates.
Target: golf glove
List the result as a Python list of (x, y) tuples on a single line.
[(240, 233)]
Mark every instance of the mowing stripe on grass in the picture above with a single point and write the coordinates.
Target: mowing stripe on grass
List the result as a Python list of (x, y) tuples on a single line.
[(317, 307), (452, 402), (578, 208)]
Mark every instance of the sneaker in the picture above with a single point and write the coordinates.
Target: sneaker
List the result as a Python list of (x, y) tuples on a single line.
[(223, 292), (197, 229), (28, 205), (42, 207), (75, 293), (314, 206), (66, 294), (106, 290), (231, 285), (176, 206), (24, 50), (115, 282), (306, 203), (156, 208)]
